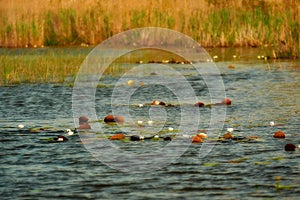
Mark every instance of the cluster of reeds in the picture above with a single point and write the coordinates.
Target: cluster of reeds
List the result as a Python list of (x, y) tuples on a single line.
[(213, 23), (49, 65)]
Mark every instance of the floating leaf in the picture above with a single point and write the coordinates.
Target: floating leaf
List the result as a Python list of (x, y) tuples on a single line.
[(262, 163), (210, 164)]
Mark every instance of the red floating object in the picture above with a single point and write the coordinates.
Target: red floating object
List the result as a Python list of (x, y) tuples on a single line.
[(226, 101), (199, 104), (279, 134)]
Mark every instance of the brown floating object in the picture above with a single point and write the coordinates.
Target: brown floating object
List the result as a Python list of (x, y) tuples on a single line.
[(109, 118), (196, 139), (84, 126), (226, 101), (119, 136), (83, 123), (227, 136), (155, 103), (279, 134), (199, 104), (112, 118), (290, 147), (119, 119), (231, 66), (83, 119)]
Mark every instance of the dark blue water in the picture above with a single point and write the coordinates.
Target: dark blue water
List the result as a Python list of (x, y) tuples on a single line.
[(31, 168)]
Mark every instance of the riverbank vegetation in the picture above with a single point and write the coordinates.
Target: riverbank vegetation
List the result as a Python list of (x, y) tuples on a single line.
[(41, 65), (213, 23)]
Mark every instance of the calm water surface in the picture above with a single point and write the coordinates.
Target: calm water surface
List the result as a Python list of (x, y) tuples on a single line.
[(261, 92)]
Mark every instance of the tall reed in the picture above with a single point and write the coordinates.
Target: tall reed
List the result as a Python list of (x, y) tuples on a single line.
[(213, 23)]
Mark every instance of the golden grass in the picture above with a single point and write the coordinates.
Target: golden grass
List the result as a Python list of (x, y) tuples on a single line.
[(213, 23)]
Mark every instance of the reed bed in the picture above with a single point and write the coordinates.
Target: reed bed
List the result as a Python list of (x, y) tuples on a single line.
[(213, 23), (36, 66)]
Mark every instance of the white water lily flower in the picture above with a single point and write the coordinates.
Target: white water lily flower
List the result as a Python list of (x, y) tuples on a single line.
[(230, 130), (20, 126), (150, 122), (69, 132)]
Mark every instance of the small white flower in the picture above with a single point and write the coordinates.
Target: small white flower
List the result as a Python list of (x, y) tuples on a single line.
[(20, 126), (150, 122), (141, 105), (230, 130), (170, 129), (69, 132)]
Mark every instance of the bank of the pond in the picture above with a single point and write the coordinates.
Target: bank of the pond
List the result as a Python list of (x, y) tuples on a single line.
[(213, 23)]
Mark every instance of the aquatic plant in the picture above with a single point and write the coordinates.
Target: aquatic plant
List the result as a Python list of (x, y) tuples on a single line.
[(39, 66)]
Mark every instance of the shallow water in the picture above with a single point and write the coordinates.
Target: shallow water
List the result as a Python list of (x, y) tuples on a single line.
[(261, 92)]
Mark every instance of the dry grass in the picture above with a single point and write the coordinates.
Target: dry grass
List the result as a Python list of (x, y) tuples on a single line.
[(213, 23)]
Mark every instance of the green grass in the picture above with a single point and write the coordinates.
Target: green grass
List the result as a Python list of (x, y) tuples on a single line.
[(53, 65)]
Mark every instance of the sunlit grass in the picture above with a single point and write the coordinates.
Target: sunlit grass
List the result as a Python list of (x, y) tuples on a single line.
[(213, 23)]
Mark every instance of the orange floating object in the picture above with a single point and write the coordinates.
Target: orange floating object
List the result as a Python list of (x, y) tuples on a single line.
[(196, 139), (227, 136), (279, 134), (119, 136)]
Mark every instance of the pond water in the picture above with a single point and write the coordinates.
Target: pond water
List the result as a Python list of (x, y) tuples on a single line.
[(261, 91)]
